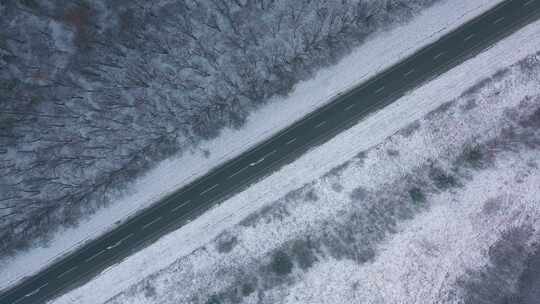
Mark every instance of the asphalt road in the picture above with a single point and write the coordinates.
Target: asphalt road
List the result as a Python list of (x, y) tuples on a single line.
[(346, 110)]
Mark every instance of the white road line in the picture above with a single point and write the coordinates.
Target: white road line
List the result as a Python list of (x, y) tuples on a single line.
[(498, 20), (181, 205), (237, 172), (120, 241), (34, 291), (268, 154), (42, 286), (66, 272), (94, 256), (126, 237), (320, 124), (408, 73), (152, 222), (379, 90), (262, 158), (19, 299), (290, 141), (349, 107), (528, 2), (468, 37), (209, 189), (438, 55)]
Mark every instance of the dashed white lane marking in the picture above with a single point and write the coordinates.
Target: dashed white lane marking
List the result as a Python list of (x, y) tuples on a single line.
[(498, 20), (262, 158), (237, 172), (67, 271), (94, 256), (19, 299), (438, 55), (42, 286), (120, 241), (32, 293), (528, 2), (181, 205), (290, 141), (379, 90), (320, 124), (469, 37), (408, 73), (268, 154), (209, 189), (151, 222), (349, 107)]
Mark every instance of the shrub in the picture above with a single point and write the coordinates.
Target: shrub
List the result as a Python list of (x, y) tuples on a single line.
[(281, 263), (226, 243), (358, 194), (304, 253), (417, 196), (441, 179)]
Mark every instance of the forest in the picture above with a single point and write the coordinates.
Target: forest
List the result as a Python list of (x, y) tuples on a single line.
[(95, 93)]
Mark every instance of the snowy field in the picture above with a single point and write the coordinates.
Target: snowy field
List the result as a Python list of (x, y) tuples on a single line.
[(383, 50), (435, 199)]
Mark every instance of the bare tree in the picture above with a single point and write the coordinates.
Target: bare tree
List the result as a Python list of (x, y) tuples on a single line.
[(93, 93)]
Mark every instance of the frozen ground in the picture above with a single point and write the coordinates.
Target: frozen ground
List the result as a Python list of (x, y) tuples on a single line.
[(435, 199), (376, 54)]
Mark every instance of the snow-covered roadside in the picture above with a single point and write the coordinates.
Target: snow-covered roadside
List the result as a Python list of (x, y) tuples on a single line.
[(372, 131), (422, 263), (376, 54)]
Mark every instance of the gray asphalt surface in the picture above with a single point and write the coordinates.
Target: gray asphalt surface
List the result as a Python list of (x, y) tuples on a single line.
[(190, 201)]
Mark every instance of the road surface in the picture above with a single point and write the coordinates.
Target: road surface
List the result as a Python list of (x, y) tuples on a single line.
[(190, 201)]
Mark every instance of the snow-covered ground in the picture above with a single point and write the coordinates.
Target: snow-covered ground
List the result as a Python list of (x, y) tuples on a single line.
[(409, 213), (385, 49)]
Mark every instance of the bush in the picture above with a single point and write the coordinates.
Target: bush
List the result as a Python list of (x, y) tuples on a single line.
[(214, 299), (337, 187), (392, 152), (247, 289), (226, 243), (410, 129), (529, 281), (281, 263), (149, 291), (417, 196), (359, 194), (304, 253), (473, 156), (311, 196), (469, 105), (441, 179), (496, 282), (533, 121)]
